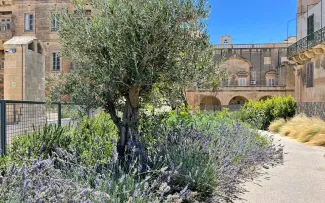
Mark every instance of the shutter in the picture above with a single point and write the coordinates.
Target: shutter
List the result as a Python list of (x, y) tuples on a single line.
[(27, 20)]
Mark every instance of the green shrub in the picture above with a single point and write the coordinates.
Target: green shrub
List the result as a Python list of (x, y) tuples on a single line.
[(93, 141), (261, 113)]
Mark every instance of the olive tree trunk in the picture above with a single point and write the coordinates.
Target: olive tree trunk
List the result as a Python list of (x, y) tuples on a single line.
[(129, 145)]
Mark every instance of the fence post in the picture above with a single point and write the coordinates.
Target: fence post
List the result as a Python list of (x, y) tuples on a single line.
[(59, 114), (3, 126)]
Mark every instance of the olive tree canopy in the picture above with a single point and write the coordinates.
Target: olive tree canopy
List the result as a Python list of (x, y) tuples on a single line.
[(127, 49)]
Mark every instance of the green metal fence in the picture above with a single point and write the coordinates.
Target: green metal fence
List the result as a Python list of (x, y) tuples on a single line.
[(19, 118)]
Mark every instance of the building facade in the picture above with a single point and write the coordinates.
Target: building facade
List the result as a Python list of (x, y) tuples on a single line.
[(253, 72), (33, 18), (307, 56)]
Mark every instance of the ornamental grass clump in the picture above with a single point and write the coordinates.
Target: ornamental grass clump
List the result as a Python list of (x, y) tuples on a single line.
[(276, 125), (305, 130)]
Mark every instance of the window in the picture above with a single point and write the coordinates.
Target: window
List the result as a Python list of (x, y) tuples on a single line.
[(2, 62), (310, 75), (310, 27), (225, 41), (56, 61), (225, 82), (5, 24), (55, 24), (271, 82), (29, 22), (242, 81)]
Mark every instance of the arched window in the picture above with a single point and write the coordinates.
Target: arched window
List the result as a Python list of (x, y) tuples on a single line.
[(270, 78), (225, 41)]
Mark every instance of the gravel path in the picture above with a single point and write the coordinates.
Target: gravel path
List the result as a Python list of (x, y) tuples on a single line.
[(301, 179)]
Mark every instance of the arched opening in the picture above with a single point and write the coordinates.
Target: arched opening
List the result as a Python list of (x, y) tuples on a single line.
[(265, 98), (270, 78), (210, 103), (31, 46), (238, 100), (238, 71), (39, 48)]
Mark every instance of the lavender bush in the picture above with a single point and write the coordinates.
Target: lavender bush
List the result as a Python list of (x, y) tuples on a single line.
[(215, 154), (190, 159)]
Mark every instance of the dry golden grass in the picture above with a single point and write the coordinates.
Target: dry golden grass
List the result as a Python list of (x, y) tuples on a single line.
[(276, 125), (291, 127), (304, 129), (318, 140)]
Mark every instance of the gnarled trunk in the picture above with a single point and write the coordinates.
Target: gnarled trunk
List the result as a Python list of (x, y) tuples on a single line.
[(129, 134)]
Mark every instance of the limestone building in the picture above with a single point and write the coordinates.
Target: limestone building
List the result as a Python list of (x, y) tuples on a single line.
[(32, 18), (307, 56), (254, 72)]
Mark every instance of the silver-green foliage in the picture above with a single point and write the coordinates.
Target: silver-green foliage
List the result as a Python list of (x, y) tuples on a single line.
[(129, 51)]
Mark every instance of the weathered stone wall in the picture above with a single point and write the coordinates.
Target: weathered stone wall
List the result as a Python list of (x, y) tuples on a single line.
[(317, 92), (225, 95), (315, 8), (42, 11), (312, 109), (34, 76), (13, 73), (262, 60)]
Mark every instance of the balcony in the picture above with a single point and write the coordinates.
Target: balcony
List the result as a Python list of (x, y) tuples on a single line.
[(306, 45)]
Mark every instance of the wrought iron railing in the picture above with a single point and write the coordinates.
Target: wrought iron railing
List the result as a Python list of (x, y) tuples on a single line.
[(306, 43)]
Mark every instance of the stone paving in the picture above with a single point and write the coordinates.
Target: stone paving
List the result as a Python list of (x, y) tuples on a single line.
[(301, 179)]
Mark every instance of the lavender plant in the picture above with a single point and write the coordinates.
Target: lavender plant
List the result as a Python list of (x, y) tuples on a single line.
[(215, 155), (195, 159)]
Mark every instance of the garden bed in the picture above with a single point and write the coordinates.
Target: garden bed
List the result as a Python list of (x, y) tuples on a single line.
[(190, 158)]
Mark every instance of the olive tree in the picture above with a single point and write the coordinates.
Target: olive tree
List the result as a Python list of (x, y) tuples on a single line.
[(127, 49)]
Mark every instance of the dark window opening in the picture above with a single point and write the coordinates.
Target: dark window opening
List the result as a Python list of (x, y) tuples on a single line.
[(2, 62), (56, 62), (55, 24), (31, 46), (310, 27), (310, 75)]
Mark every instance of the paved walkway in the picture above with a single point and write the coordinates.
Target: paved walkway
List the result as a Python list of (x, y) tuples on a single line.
[(301, 179)]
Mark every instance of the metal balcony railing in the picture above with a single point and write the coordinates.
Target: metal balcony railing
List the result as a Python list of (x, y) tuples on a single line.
[(251, 46), (306, 43)]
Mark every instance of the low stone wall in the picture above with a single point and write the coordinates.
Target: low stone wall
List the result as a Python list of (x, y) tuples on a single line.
[(316, 109)]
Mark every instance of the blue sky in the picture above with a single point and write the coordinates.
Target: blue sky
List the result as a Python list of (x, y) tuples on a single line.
[(252, 21)]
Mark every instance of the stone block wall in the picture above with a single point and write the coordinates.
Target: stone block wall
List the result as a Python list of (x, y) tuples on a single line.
[(34, 76), (311, 109), (316, 93), (262, 61)]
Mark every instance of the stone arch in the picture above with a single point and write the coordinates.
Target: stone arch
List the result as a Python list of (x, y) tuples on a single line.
[(210, 103), (265, 98), (238, 100), (236, 68)]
